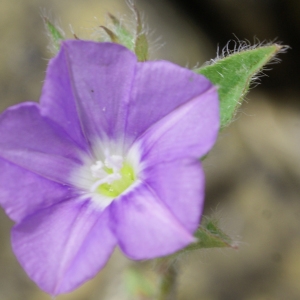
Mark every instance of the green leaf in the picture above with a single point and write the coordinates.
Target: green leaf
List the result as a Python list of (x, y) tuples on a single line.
[(210, 235), (234, 73), (55, 33)]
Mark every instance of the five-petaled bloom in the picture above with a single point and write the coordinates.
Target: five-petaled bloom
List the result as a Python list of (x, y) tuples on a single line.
[(109, 157)]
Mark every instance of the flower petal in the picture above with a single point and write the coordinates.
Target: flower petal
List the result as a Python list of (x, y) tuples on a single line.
[(187, 132), (63, 246), (102, 91), (57, 99), (144, 226), (23, 192), (100, 77), (180, 186), (31, 141), (159, 88)]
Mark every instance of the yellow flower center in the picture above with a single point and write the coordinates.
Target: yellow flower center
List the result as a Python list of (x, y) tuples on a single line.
[(118, 186), (113, 176)]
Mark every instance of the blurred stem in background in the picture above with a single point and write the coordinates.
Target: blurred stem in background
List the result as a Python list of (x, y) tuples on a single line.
[(168, 280)]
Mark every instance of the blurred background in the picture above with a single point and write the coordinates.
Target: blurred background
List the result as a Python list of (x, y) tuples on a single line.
[(253, 173)]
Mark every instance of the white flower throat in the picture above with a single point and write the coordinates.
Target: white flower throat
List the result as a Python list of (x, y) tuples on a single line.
[(112, 177)]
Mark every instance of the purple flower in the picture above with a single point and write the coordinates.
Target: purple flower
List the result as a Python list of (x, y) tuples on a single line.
[(109, 157)]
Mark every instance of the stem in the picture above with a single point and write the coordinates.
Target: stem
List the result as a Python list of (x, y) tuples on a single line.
[(168, 280)]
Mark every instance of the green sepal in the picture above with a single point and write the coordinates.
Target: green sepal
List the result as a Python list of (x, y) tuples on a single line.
[(113, 37), (124, 36), (233, 75), (141, 42), (141, 47), (210, 235), (55, 33)]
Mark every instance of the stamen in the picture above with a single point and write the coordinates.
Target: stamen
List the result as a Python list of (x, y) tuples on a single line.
[(114, 162), (97, 170), (112, 177), (107, 172)]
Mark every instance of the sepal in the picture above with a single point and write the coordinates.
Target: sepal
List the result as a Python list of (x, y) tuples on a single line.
[(210, 235), (55, 33)]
